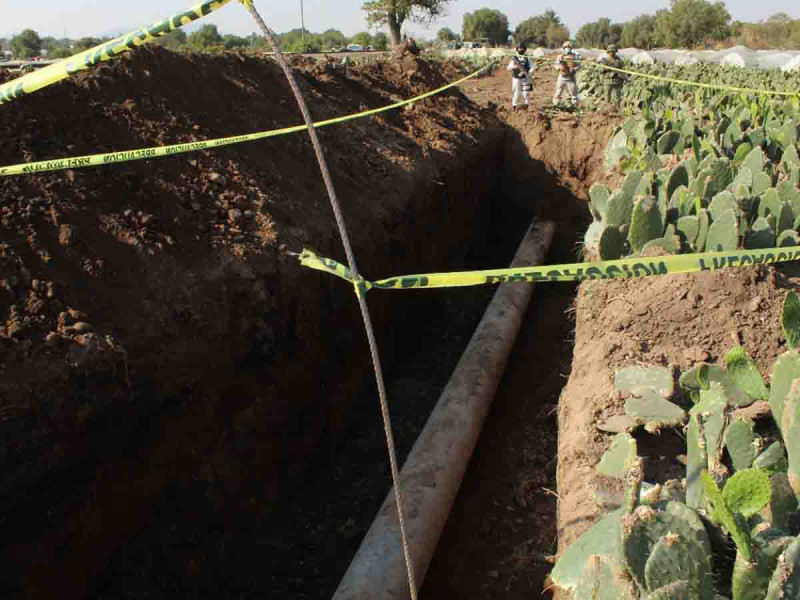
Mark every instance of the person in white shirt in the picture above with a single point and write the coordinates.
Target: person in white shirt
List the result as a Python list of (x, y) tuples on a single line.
[(521, 83)]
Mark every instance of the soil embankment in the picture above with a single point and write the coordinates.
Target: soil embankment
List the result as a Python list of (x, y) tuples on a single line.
[(167, 369)]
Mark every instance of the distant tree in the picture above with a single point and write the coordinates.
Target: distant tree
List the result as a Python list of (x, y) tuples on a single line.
[(556, 35), (599, 34), (26, 45), (380, 41), (445, 34), (486, 23), (204, 38), (232, 42), (393, 13), (333, 38), (57, 48), (258, 41), (85, 43), (175, 40), (362, 39), (692, 22), (533, 31), (639, 32), (780, 17)]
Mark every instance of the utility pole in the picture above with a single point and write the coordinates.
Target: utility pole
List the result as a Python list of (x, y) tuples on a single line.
[(302, 24)]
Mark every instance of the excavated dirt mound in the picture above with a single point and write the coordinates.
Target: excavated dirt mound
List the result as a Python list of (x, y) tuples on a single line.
[(675, 322), (157, 342)]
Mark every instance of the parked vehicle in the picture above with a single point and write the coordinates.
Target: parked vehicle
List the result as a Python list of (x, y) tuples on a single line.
[(355, 48)]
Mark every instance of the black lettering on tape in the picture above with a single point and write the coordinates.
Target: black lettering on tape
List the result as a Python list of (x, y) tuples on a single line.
[(746, 260), (554, 275), (733, 261), (595, 273), (614, 272), (641, 270)]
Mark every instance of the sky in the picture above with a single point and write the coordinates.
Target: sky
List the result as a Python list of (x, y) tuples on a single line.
[(79, 18)]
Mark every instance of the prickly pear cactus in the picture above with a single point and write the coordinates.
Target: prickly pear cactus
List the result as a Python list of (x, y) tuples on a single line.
[(785, 581), (722, 203), (740, 443), (761, 235), (619, 209), (790, 427), (646, 223), (788, 239), (723, 235), (614, 461), (784, 372), (688, 228), (790, 320), (654, 412), (599, 196), (605, 578), (631, 380), (744, 373), (646, 529), (611, 244)]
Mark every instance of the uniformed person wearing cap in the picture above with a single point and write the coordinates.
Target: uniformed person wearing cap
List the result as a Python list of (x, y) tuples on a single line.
[(614, 80), (567, 65)]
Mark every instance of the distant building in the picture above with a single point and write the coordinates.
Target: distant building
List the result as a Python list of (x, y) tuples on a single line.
[(6, 54)]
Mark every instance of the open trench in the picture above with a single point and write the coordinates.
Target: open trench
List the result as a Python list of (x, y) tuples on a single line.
[(218, 491)]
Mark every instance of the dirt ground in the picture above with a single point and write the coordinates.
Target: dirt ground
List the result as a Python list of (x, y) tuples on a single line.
[(165, 364), (188, 413)]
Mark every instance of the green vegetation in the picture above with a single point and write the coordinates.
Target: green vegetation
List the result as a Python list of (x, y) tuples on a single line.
[(394, 13), (735, 174), (599, 34), (486, 24), (545, 30), (676, 539), (26, 45)]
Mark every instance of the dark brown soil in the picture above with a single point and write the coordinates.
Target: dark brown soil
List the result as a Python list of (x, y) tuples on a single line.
[(675, 322), (171, 380)]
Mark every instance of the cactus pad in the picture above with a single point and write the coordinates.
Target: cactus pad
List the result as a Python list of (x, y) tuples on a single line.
[(761, 235), (740, 442), (599, 196), (722, 203), (669, 561), (603, 539), (705, 223), (688, 228), (723, 235), (745, 375), (790, 320), (696, 462), (748, 492), (785, 582), (611, 243), (788, 239), (619, 209), (604, 578), (631, 380), (755, 161), (785, 370), (654, 412), (646, 223), (613, 463), (790, 427), (646, 527), (772, 459)]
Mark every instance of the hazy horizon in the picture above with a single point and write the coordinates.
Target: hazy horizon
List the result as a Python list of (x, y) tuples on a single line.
[(100, 18)]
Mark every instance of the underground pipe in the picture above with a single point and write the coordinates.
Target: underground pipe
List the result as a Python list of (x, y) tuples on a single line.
[(436, 465)]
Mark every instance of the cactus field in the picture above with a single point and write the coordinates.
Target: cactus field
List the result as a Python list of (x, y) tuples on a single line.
[(696, 493)]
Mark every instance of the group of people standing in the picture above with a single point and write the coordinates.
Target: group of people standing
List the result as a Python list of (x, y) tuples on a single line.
[(567, 64)]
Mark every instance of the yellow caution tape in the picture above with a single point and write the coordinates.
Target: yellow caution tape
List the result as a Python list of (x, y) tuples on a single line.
[(613, 269), (61, 70), (79, 162), (709, 86)]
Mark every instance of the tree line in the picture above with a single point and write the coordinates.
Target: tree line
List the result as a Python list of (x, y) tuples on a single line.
[(29, 44), (685, 24)]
